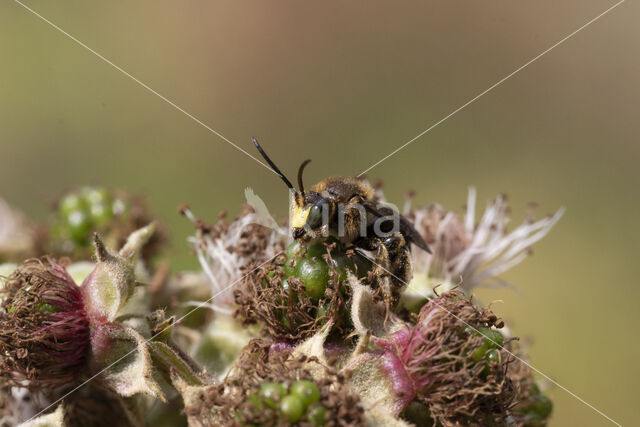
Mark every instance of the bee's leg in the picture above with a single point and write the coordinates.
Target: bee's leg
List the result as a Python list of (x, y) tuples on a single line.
[(399, 261), (382, 269), (381, 262)]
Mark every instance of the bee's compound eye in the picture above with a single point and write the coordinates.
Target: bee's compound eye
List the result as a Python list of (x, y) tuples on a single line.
[(315, 216)]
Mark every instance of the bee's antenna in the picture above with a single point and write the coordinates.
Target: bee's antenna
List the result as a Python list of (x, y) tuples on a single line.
[(273, 166), (300, 186)]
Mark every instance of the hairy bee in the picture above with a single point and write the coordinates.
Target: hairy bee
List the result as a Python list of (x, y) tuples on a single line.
[(348, 210)]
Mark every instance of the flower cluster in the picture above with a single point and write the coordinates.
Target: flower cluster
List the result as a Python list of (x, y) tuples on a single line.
[(269, 332)]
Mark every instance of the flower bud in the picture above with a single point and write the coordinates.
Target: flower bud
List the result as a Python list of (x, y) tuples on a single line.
[(110, 285), (44, 329)]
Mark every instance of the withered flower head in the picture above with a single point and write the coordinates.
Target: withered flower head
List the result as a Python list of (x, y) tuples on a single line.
[(226, 250), (44, 330), (286, 306), (456, 362), (276, 388)]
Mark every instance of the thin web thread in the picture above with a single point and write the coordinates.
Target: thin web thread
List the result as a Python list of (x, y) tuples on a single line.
[(144, 85), (507, 77)]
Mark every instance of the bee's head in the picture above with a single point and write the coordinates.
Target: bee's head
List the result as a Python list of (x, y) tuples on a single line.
[(309, 216), (309, 211)]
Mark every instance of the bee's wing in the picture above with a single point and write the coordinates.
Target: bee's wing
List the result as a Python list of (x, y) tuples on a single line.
[(410, 234)]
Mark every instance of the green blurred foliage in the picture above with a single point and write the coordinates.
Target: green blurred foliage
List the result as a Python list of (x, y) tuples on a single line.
[(345, 84)]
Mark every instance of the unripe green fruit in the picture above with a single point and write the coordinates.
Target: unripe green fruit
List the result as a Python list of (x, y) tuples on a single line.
[(96, 195), (317, 416), (542, 407), (272, 393), (292, 408), (79, 227), (101, 213), (480, 351), (494, 337), (315, 276), (493, 356), (307, 391), (342, 263), (492, 340), (256, 401), (70, 203), (311, 267)]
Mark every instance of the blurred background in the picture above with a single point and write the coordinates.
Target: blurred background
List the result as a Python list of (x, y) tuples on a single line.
[(345, 83)]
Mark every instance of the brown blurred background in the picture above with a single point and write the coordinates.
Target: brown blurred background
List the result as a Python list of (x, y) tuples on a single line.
[(346, 83)]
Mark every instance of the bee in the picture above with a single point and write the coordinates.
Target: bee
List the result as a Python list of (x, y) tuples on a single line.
[(348, 210)]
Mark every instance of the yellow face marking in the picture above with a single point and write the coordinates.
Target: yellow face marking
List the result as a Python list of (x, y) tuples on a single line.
[(297, 214)]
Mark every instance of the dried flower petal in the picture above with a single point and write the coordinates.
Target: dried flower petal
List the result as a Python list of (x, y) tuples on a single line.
[(476, 252), (225, 251)]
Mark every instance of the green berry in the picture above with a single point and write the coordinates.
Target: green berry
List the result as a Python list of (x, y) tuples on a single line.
[(265, 280), (470, 330), (256, 401), (315, 249), (480, 351), (307, 391), (343, 262), (317, 416), (315, 276), (101, 213), (292, 408), (70, 203), (272, 393), (292, 250), (290, 267), (494, 337), (541, 407), (79, 227), (96, 196), (493, 356)]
